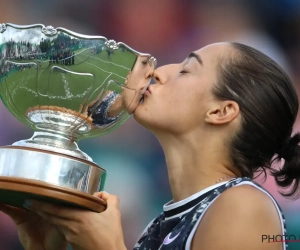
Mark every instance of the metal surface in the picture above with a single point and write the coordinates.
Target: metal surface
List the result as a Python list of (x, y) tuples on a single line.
[(54, 169), (48, 75), (66, 87)]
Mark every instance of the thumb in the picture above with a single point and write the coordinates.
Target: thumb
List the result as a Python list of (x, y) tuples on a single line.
[(110, 199)]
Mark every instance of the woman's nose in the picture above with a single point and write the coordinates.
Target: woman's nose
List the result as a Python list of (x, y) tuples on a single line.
[(156, 76), (160, 74)]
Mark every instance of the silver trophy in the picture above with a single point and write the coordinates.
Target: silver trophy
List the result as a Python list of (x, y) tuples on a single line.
[(66, 87)]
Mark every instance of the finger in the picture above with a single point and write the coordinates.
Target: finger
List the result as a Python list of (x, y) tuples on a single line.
[(52, 209), (16, 214), (7, 209), (102, 195), (111, 200), (55, 220)]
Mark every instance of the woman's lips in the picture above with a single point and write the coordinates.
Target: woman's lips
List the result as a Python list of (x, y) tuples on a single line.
[(148, 92)]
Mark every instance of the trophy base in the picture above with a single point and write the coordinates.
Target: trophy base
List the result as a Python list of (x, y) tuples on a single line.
[(30, 173), (14, 191)]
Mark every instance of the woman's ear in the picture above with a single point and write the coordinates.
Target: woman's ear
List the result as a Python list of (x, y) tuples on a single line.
[(224, 112)]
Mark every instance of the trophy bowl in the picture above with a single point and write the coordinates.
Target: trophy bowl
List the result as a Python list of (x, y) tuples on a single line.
[(66, 87)]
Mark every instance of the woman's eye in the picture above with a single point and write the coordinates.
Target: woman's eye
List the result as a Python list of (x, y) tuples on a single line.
[(144, 62), (183, 72)]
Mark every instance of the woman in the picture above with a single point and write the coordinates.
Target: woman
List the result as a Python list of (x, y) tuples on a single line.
[(224, 113)]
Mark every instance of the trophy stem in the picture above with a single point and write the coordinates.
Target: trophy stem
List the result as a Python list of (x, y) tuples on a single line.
[(55, 142)]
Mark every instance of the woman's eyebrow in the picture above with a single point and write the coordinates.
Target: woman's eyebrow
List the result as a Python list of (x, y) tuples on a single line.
[(198, 58)]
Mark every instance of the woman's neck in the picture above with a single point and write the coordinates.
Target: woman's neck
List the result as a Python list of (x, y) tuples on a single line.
[(193, 165)]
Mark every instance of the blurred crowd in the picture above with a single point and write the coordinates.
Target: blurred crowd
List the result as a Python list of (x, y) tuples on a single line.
[(169, 30)]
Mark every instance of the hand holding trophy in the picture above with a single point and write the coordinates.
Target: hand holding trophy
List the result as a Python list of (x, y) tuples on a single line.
[(66, 87)]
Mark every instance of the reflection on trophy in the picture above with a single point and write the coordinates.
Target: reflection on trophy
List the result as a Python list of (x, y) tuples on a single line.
[(66, 87)]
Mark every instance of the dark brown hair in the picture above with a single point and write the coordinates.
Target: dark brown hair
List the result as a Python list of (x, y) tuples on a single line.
[(269, 105)]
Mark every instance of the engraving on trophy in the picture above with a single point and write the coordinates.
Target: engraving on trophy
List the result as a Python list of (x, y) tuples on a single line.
[(49, 31), (112, 44), (66, 87), (2, 27)]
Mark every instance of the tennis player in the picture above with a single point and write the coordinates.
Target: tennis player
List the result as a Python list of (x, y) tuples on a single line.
[(223, 114)]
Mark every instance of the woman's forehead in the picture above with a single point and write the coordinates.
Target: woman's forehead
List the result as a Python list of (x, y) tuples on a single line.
[(214, 50), (212, 54)]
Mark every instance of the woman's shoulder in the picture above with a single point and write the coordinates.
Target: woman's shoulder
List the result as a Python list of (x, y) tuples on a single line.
[(244, 201), (247, 192), (238, 219)]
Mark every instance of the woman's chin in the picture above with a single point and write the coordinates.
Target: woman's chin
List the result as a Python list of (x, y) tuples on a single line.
[(137, 112), (131, 109), (139, 115)]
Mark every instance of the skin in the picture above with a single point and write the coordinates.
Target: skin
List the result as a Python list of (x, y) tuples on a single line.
[(194, 130)]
